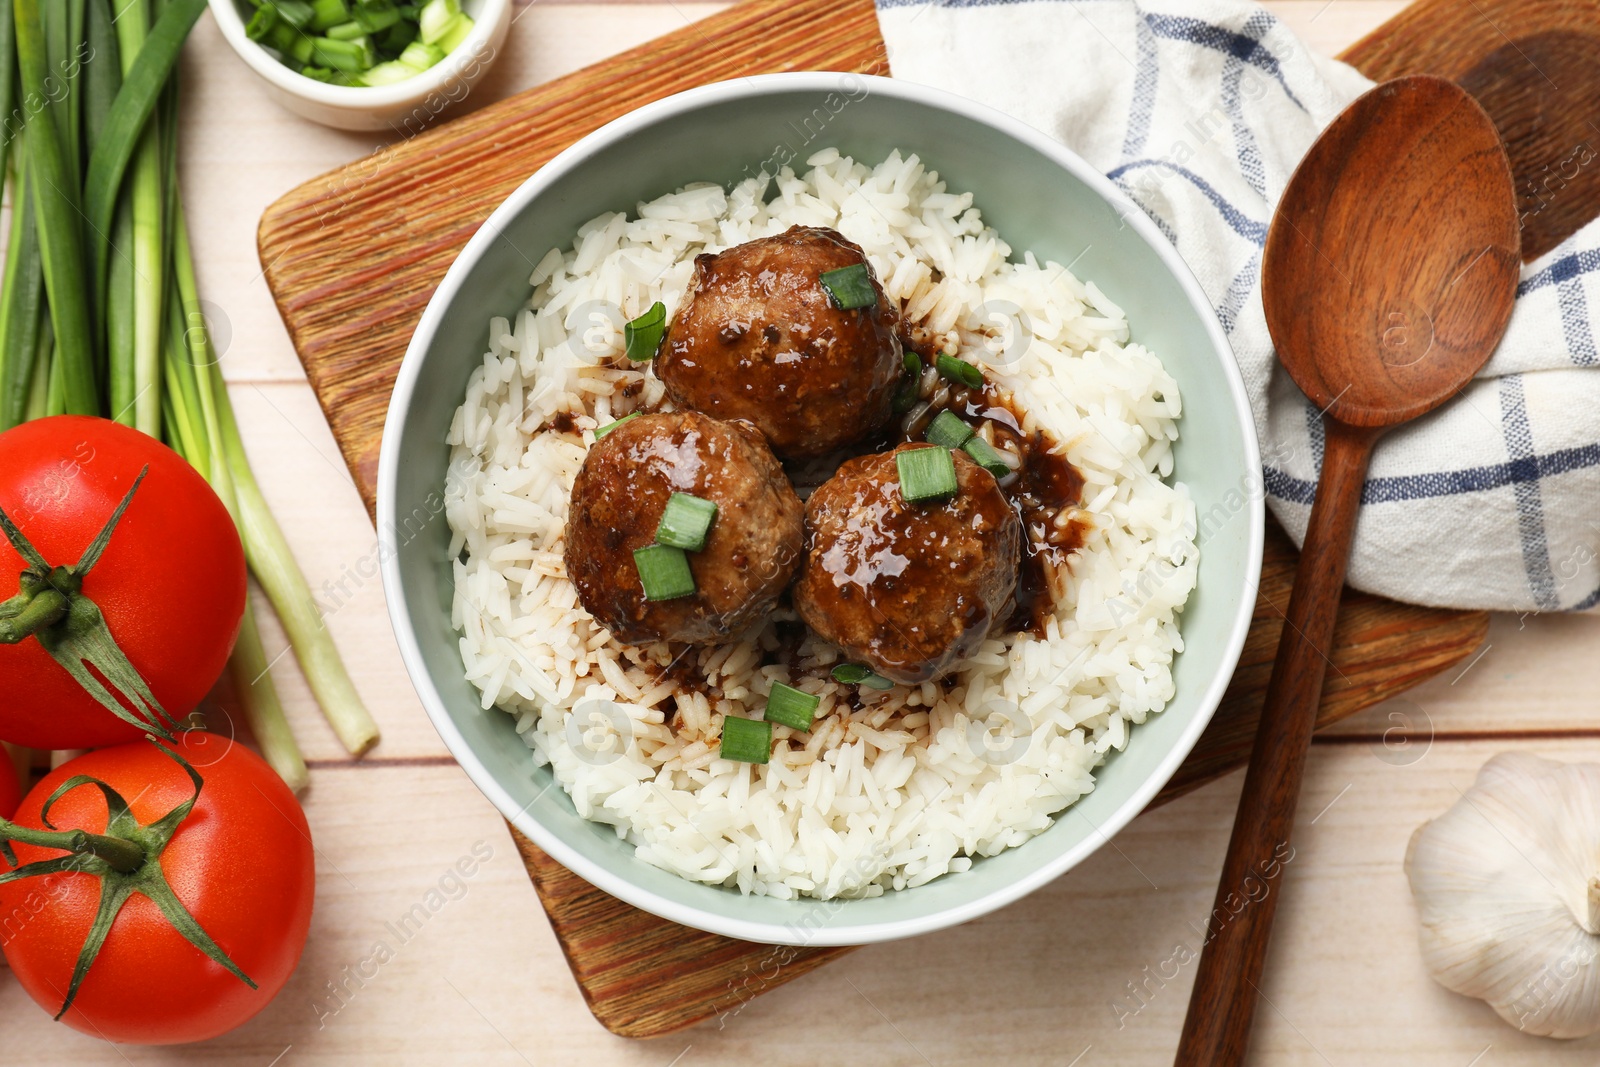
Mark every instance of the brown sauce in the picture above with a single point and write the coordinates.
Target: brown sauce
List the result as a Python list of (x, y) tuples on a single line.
[(684, 670), (1045, 491), (1044, 496), (790, 634)]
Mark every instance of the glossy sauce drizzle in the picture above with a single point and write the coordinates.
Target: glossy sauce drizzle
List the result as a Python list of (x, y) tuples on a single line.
[(1046, 490)]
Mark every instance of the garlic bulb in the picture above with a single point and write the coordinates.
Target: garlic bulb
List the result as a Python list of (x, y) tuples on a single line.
[(1508, 886)]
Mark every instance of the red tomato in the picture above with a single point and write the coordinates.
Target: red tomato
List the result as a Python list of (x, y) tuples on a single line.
[(10, 790), (171, 583), (241, 862)]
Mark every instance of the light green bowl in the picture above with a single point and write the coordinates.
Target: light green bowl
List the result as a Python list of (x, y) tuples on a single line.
[(1040, 197)]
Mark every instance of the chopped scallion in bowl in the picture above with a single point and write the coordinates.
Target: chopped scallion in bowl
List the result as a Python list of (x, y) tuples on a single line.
[(358, 43)]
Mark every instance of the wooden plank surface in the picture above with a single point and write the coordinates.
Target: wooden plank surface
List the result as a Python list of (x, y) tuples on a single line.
[(1034, 984), (413, 205), (351, 317)]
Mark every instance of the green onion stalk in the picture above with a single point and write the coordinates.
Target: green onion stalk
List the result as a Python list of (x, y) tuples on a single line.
[(265, 546), (102, 82), (192, 429), (39, 390), (128, 130), (58, 211), (148, 248), (99, 305), (274, 567), (24, 368)]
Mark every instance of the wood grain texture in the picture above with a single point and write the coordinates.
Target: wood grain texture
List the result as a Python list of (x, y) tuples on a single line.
[(412, 206), (1216, 1030), (643, 976), (1406, 196), (1379, 650), (1534, 65)]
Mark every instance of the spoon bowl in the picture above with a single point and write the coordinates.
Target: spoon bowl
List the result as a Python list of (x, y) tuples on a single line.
[(1388, 278), (1387, 284)]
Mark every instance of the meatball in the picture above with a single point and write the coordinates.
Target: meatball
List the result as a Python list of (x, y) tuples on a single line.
[(759, 338), (908, 589), (621, 490)]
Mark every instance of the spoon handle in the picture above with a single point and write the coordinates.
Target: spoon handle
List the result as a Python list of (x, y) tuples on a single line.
[(1217, 1028)]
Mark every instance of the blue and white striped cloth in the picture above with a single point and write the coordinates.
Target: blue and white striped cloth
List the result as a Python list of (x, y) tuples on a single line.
[(1199, 110)]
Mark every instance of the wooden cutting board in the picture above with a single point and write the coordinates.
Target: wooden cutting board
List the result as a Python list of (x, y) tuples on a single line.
[(409, 208)]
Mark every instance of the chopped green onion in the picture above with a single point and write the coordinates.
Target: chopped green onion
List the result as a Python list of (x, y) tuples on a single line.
[(397, 38), (663, 572), (328, 13), (856, 674), (297, 13), (457, 34), (850, 287), (685, 522), (421, 56), (789, 707), (959, 371), (261, 23), (949, 430), (746, 740), (359, 42), (905, 398), (986, 456), (608, 427), (926, 474), (642, 336), (281, 38), (437, 19), (354, 56), (385, 73), (375, 15), (346, 31)]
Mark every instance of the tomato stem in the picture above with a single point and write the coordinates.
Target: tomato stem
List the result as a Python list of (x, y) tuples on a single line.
[(123, 855), (120, 854), (50, 606), (27, 613), (126, 860)]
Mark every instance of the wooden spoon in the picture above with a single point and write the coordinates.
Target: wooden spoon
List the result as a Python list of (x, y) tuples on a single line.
[(1389, 275)]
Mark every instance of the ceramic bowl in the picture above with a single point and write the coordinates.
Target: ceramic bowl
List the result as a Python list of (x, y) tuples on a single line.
[(1040, 197), (405, 107)]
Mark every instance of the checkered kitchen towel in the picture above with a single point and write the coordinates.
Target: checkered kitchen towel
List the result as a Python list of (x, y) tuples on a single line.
[(1199, 110)]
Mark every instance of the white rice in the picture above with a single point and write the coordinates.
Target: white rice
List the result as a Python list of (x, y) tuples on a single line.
[(920, 779)]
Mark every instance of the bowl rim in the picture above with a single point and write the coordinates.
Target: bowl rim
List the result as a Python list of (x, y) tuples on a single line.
[(388, 472), (353, 97)]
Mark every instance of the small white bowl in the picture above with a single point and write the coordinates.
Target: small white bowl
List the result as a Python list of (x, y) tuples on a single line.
[(405, 107)]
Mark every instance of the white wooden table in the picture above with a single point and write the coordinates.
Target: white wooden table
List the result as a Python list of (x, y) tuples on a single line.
[(1046, 981)]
